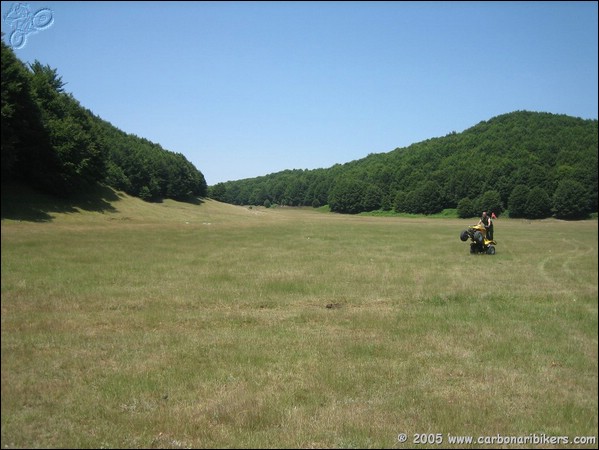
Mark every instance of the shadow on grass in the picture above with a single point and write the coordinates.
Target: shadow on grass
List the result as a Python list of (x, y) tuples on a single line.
[(23, 203), (192, 200), (20, 202)]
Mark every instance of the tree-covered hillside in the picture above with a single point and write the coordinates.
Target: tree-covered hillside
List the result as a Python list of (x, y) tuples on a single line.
[(51, 142), (534, 164)]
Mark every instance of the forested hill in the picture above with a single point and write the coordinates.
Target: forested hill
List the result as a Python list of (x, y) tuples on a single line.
[(52, 143), (534, 164)]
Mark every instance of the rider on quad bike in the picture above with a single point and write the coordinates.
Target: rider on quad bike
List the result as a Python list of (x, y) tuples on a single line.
[(481, 237)]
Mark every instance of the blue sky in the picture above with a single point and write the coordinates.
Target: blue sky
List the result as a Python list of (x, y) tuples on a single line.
[(244, 89)]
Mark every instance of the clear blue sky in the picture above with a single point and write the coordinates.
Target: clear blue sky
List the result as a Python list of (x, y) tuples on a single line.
[(244, 89)]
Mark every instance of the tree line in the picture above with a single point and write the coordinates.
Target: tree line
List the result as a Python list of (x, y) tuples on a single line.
[(532, 164), (51, 142)]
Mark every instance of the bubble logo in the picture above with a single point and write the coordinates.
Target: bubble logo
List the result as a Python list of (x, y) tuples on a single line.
[(24, 22)]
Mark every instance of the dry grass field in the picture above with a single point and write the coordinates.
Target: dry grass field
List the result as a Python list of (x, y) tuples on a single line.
[(128, 324)]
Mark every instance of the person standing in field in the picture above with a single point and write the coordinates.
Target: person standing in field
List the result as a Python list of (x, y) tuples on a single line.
[(487, 222)]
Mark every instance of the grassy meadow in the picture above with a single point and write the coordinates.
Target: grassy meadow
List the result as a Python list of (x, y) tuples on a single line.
[(177, 325)]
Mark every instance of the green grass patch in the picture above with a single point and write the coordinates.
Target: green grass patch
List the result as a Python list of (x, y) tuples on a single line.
[(179, 325)]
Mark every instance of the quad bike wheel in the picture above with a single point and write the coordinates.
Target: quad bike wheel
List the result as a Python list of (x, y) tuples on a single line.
[(478, 237), (491, 250), (464, 236)]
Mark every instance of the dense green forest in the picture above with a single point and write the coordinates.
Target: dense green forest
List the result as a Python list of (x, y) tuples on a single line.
[(52, 143), (533, 164)]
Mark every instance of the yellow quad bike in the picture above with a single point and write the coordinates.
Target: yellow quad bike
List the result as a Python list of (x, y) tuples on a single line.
[(479, 242)]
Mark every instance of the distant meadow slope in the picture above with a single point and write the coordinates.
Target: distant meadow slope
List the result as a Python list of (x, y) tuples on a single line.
[(208, 325)]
